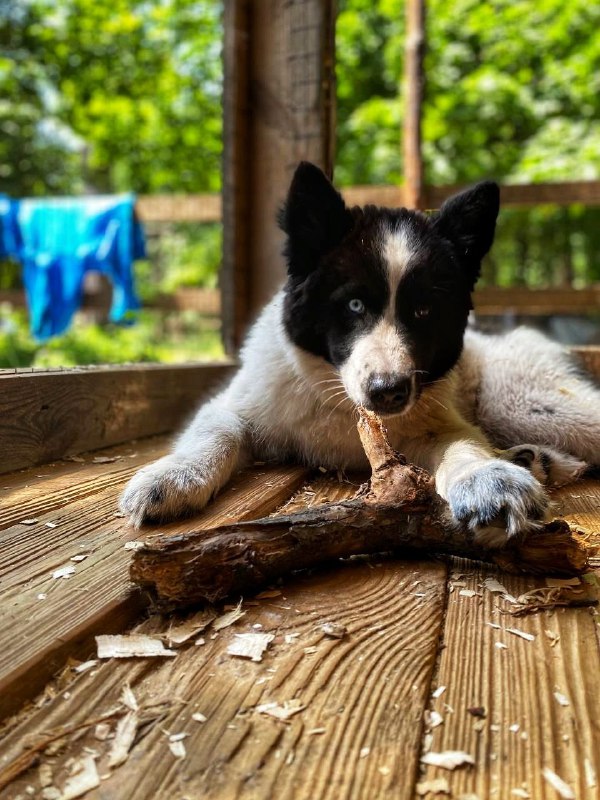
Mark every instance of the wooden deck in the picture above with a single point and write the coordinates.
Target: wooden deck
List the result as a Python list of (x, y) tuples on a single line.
[(427, 663)]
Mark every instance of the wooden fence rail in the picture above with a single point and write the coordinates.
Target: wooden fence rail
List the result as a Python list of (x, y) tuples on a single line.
[(208, 208)]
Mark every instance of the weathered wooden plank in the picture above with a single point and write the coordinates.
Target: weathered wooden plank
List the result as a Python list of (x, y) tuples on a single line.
[(47, 415), (538, 302), (278, 107), (363, 694), (514, 682), (511, 195), (45, 618), (179, 208)]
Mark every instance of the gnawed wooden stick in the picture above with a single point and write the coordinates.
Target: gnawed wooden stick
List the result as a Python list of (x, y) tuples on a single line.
[(398, 512)]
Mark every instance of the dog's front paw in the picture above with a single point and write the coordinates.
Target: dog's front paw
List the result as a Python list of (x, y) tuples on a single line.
[(549, 466), (165, 490), (497, 501)]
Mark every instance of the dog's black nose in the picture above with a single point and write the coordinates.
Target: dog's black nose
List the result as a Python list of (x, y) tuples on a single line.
[(387, 393)]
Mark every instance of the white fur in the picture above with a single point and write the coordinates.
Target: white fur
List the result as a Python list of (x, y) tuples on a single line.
[(286, 403)]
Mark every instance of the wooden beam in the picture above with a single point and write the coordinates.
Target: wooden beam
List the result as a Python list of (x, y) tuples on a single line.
[(179, 208), (278, 106), (490, 300), (48, 415), (414, 83)]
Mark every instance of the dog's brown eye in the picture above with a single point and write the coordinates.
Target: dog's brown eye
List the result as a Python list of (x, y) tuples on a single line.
[(422, 313), (356, 306)]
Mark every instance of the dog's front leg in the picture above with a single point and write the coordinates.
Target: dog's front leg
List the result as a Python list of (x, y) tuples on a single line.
[(493, 498), (203, 459)]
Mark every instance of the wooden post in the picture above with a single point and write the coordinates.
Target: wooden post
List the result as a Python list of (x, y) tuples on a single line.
[(414, 82), (279, 101)]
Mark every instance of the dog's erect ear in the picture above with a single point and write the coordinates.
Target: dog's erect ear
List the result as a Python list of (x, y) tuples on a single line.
[(314, 217), (468, 220)]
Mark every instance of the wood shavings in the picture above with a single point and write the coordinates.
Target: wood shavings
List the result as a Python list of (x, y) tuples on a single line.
[(553, 637), (133, 545), (128, 699), (51, 793), (102, 731), (85, 666), (33, 521), (333, 630), (45, 775), (364, 752), (514, 728), (133, 645), (227, 619), (438, 692), (181, 633), (448, 759), (50, 524), (250, 645), (557, 783), (433, 719), (590, 774), (522, 634), (198, 717), (316, 731), (494, 586), (284, 711), (177, 747), (467, 593), (500, 646), (63, 572), (81, 557), (123, 741), (84, 778), (562, 582), (561, 699), (436, 786)]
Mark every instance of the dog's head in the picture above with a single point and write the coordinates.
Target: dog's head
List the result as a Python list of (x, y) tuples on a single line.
[(382, 294)]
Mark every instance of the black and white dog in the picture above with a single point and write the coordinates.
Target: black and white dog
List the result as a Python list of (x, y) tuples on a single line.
[(374, 313)]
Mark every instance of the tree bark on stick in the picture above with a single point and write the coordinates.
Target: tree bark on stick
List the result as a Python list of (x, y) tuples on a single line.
[(397, 512)]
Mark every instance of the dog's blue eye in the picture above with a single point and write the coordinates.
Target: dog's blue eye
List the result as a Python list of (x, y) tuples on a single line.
[(356, 306)]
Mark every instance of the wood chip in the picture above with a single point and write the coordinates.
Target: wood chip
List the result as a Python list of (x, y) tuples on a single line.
[(364, 752), (29, 521), (590, 774), (198, 717), (448, 759), (516, 632), (85, 666), (436, 786), (133, 545), (333, 630), (557, 783), (284, 711), (494, 586), (81, 557), (64, 572), (181, 633), (227, 619), (467, 593), (128, 699), (433, 719), (84, 778), (500, 646), (438, 692), (250, 645), (133, 645), (102, 731), (105, 459), (124, 735), (45, 775), (177, 747), (561, 699)]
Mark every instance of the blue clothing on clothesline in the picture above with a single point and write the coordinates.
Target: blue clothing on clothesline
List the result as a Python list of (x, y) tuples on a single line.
[(10, 238), (61, 240)]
